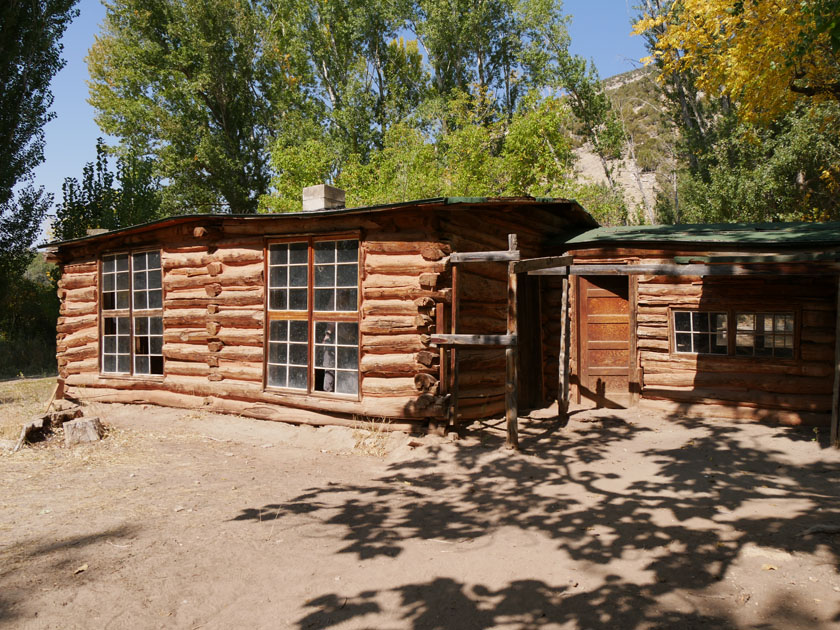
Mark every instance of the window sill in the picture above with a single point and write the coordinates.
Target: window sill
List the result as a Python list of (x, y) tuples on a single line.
[(133, 377)]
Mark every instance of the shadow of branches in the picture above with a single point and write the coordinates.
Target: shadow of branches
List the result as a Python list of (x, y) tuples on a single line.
[(603, 489)]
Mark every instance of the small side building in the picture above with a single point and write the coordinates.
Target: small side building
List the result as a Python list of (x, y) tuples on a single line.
[(320, 317), (734, 320)]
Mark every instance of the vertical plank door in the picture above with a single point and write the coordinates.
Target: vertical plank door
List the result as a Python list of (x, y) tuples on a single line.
[(604, 340)]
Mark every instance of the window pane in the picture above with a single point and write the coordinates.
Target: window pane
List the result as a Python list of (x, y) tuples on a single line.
[(324, 299), (155, 365), (325, 252), (110, 344), (297, 300), (299, 331), (122, 262), (298, 275), (139, 280), (277, 300), (123, 344), (110, 326), (156, 299), (122, 280), (140, 300), (348, 333), (298, 354), (348, 358), (109, 264), (154, 279), (139, 261), (153, 259), (109, 364), (277, 375), (122, 299), (278, 254), (156, 344), (278, 277), (141, 365), (768, 323), (764, 345), (323, 330), (277, 352), (108, 282), (141, 325), (746, 321), (156, 325), (682, 321), (298, 253), (347, 251), (700, 322), (683, 342), (297, 377), (744, 344), (701, 343), (346, 300), (324, 275), (141, 345), (324, 356), (347, 276), (123, 363), (348, 383), (720, 321)]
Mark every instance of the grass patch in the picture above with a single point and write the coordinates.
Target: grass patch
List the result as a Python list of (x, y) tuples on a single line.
[(20, 400), (371, 437)]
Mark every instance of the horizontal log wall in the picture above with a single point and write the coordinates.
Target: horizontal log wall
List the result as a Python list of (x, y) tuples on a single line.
[(790, 391), (214, 322)]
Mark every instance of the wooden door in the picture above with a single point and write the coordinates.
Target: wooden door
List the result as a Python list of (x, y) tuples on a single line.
[(604, 335)]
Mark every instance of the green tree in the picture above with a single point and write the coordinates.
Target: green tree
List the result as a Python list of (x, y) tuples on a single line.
[(200, 86), (107, 200), (30, 55)]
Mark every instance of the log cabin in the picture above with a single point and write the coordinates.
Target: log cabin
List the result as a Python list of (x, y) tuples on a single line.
[(324, 316), (734, 320)]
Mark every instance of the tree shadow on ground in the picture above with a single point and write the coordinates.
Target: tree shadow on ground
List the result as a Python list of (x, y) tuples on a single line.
[(56, 558), (685, 512)]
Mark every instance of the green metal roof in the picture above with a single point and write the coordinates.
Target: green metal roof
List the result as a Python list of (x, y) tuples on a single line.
[(748, 234)]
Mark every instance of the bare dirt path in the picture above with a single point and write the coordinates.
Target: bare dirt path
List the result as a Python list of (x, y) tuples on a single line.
[(618, 520)]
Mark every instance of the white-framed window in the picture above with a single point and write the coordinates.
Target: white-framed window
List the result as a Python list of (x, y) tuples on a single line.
[(132, 313), (764, 334), (313, 315), (701, 332), (735, 332)]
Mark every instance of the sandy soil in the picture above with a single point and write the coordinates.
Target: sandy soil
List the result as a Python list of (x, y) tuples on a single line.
[(616, 520)]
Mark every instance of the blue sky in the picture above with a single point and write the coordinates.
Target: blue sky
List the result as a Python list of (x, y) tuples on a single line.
[(600, 30)]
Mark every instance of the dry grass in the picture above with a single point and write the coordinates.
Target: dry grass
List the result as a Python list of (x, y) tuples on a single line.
[(371, 437), (20, 400)]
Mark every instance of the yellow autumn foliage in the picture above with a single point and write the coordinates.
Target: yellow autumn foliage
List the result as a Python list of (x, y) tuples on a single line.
[(749, 50)]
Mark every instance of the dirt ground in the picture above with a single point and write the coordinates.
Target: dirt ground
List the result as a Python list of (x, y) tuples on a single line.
[(614, 520)]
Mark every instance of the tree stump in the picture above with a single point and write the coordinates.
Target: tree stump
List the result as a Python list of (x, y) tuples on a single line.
[(82, 430)]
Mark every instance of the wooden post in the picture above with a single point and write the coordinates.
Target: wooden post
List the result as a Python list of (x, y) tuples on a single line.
[(512, 355), (565, 333), (453, 352), (835, 405)]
